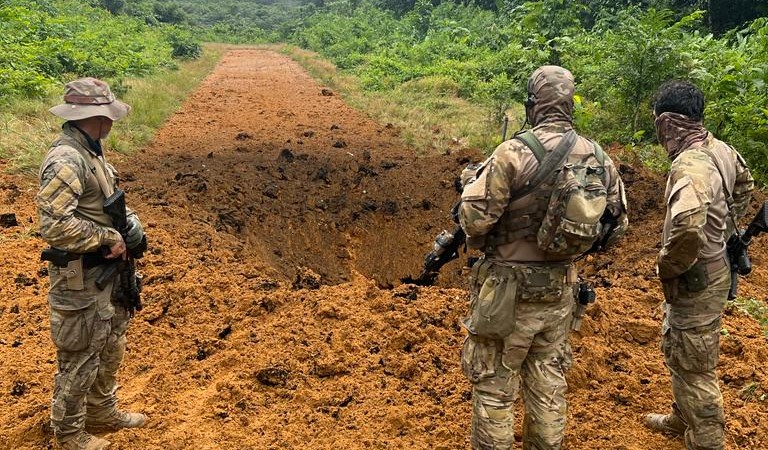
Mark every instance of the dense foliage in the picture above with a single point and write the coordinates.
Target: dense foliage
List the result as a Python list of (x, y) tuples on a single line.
[(234, 21), (481, 50), (42, 42), (619, 56)]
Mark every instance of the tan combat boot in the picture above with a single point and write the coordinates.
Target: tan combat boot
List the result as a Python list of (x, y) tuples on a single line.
[(84, 441), (666, 423), (117, 420)]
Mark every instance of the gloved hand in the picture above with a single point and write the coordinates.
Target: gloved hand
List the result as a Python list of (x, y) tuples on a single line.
[(455, 212), (469, 174), (134, 232)]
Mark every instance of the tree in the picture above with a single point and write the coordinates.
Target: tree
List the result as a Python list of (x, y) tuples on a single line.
[(727, 14), (113, 6), (169, 13)]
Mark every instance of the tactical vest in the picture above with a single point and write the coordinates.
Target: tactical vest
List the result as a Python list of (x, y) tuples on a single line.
[(98, 183), (523, 222)]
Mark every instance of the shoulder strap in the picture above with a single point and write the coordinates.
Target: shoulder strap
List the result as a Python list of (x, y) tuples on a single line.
[(550, 162), (533, 143), (599, 153)]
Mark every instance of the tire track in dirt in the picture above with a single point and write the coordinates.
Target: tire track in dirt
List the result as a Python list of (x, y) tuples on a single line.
[(279, 220)]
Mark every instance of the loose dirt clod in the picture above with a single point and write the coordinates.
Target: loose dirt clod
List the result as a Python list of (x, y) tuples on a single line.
[(8, 220)]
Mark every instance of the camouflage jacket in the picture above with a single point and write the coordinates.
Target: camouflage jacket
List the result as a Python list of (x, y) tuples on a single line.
[(74, 182), (486, 199), (698, 223)]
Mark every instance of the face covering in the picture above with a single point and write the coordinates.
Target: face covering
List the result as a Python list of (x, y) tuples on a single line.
[(677, 132)]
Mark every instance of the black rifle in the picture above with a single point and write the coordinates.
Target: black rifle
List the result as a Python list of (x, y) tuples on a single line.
[(129, 289), (444, 249), (446, 246), (737, 248)]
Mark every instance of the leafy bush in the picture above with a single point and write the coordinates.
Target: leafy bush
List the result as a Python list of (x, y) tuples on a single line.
[(621, 66), (184, 45), (735, 83), (43, 43)]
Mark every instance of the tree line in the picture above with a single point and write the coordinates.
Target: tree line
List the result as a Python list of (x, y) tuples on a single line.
[(481, 50)]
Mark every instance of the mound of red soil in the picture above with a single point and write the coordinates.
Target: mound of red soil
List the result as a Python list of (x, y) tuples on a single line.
[(280, 223)]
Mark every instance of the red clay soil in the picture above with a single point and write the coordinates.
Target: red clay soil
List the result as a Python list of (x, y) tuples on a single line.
[(280, 222)]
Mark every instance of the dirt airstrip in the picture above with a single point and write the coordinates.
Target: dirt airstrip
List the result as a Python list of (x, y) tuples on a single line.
[(280, 222)]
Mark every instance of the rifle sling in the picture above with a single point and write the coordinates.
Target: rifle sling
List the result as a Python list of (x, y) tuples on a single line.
[(548, 162)]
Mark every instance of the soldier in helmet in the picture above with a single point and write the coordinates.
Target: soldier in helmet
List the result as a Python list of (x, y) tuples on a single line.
[(521, 290), (708, 190), (87, 327)]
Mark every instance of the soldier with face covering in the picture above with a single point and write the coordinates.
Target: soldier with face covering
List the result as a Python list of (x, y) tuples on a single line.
[(708, 190), (87, 325), (522, 299)]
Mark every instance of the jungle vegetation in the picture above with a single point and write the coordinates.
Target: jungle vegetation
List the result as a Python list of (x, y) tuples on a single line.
[(478, 50)]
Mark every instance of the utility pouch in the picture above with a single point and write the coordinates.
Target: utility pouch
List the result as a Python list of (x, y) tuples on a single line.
[(670, 289), (493, 300), (544, 284), (74, 275), (696, 278)]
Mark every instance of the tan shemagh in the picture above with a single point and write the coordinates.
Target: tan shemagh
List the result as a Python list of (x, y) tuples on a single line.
[(677, 132)]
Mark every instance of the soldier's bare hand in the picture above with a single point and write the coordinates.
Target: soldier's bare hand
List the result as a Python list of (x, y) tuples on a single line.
[(116, 250)]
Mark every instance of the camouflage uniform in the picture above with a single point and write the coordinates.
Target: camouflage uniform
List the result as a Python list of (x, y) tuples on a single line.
[(534, 291), (694, 270), (86, 327)]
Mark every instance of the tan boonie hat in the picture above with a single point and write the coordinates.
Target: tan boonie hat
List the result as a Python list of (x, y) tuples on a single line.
[(89, 97)]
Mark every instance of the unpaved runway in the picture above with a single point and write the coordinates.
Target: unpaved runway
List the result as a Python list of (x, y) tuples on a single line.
[(280, 221)]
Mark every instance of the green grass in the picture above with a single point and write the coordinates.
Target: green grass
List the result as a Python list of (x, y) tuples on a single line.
[(757, 309), (27, 128), (430, 115)]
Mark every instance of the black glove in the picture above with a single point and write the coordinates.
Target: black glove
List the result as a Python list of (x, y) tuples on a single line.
[(455, 212), (134, 232)]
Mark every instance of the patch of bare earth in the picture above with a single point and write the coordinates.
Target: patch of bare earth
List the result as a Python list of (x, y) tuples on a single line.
[(280, 222)]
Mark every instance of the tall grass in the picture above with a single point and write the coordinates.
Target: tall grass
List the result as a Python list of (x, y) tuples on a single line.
[(428, 112), (27, 128)]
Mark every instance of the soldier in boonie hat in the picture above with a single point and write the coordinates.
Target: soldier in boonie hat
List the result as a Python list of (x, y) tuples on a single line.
[(89, 97), (75, 182)]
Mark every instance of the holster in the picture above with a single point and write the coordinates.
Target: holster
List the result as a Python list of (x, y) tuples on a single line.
[(74, 274)]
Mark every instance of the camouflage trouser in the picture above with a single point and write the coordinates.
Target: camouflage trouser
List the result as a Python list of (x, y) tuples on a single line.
[(691, 346), (89, 334), (536, 351)]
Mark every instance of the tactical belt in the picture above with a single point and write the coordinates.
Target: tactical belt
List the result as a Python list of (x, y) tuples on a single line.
[(716, 263), (537, 279), (93, 259)]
